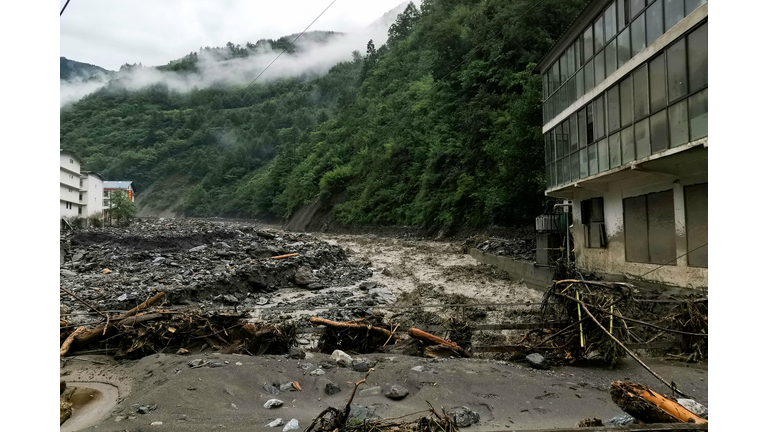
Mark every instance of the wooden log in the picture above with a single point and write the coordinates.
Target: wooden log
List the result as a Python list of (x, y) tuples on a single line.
[(68, 342), (644, 404), (132, 321), (434, 340), (341, 325), (100, 331), (284, 256)]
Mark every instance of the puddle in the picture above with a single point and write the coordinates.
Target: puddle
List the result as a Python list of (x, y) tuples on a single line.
[(91, 402)]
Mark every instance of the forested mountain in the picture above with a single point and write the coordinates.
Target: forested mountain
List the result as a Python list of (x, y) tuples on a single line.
[(439, 125), (70, 69)]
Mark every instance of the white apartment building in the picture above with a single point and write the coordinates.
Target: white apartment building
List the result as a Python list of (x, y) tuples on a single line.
[(69, 184), (91, 193)]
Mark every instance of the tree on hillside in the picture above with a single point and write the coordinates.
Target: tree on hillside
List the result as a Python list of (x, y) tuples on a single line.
[(121, 206)]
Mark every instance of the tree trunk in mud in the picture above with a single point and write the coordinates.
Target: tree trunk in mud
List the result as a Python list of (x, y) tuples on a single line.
[(648, 406)]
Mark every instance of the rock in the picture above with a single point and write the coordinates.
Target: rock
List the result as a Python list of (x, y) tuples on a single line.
[(64, 309), (302, 341), (106, 271), (273, 403), (590, 422), (464, 416), (362, 412), (341, 358), (368, 285), (317, 372), (276, 423), (182, 351), (315, 286), (195, 362), (198, 248), (621, 420), (271, 389), (157, 423), (397, 392), (332, 388), (123, 297), (537, 361), (694, 407), (418, 368), (215, 364), (372, 391), (292, 425), (68, 273), (229, 298), (296, 353), (287, 387), (304, 276), (362, 365), (158, 260)]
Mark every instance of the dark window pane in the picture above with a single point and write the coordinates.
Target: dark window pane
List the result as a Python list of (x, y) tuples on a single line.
[(638, 34), (556, 75), (691, 5), (577, 52), (673, 13), (603, 163), (575, 166), (544, 86), (677, 83), (610, 21), (661, 228), (592, 154), (600, 67), (582, 128), (635, 6), (626, 101), (571, 91), (599, 112), (624, 52), (614, 150), (566, 169), (599, 34), (696, 224), (547, 149), (589, 76), (636, 229), (558, 141), (622, 19), (583, 163), (658, 83), (588, 43), (659, 132), (640, 82), (627, 145), (678, 124), (590, 124), (566, 138), (654, 22), (697, 58), (642, 139), (563, 73), (610, 58), (697, 111), (614, 119), (579, 77), (574, 145)]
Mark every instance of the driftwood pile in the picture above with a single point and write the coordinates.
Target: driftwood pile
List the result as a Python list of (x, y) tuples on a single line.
[(141, 332)]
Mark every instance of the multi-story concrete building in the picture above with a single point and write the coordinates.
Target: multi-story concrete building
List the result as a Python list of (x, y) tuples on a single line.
[(625, 132), (69, 184), (110, 186), (91, 193)]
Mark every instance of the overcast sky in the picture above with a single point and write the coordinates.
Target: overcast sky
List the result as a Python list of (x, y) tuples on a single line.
[(109, 33)]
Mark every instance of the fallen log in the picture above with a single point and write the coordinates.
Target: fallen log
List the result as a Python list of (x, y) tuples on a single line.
[(132, 321), (434, 340), (644, 404), (351, 325), (68, 342), (100, 331), (284, 256)]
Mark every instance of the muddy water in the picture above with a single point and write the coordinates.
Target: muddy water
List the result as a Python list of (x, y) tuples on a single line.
[(91, 402)]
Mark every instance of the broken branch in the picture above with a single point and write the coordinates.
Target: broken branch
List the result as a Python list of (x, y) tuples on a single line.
[(68, 342), (434, 340), (285, 256), (83, 302), (341, 325)]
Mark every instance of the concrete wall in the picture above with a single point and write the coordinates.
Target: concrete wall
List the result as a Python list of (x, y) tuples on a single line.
[(539, 278), (93, 192), (610, 261)]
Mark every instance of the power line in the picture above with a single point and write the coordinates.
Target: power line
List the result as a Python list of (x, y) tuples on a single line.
[(284, 49), (62, 9), (674, 259)]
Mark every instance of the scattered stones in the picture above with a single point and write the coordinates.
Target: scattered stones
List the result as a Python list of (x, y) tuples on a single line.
[(230, 299), (464, 416), (143, 409), (621, 420), (362, 412), (106, 271), (292, 425), (198, 248), (273, 403), (271, 389), (418, 368), (694, 407), (317, 372), (276, 423), (195, 362), (342, 358), (296, 353), (157, 423), (68, 273), (304, 276), (302, 341), (396, 392), (287, 387), (537, 361), (361, 365), (332, 388)]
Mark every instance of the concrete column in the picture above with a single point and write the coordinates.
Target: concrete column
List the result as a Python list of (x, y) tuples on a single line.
[(681, 239)]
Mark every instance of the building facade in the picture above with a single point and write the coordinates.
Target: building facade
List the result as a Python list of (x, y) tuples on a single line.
[(625, 135), (91, 194), (69, 184), (112, 186)]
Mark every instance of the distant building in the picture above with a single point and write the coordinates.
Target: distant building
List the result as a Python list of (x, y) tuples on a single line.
[(69, 184), (626, 139), (91, 193), (111, 186)]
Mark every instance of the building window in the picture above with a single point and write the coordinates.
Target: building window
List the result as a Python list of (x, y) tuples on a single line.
[(79, 210), (638, 34), (81, 197), (649, 228), (593, 220), (697, 58), (654, 22), (71, 161), (673, 12), (696, 224), (106, 194), (697, 111), (106, 203), (677, 82)]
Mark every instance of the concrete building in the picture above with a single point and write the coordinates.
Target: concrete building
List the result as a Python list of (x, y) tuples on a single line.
[(111, 186), (91, 193), (625, 132), (69, 184)]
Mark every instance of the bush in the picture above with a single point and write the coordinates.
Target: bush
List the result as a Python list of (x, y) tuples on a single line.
[(95, 221)]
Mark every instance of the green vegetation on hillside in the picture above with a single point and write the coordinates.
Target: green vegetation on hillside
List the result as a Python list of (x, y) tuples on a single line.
[(438, 126)]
